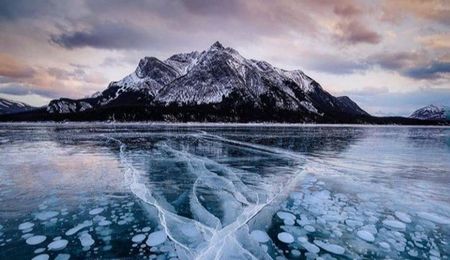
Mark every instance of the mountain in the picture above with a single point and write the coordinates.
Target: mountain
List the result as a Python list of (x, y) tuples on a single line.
[(432, 112), (215, 85), (11, 107)]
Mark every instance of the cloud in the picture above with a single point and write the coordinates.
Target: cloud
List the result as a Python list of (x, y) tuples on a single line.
[(105, 35), (435, 10), (436, 41), (434, 70), (395, 60), (355, 32), (11, 68), (335, 65)]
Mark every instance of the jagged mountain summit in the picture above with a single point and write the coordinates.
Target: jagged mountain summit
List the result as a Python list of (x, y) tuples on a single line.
[(432, 112), (10, 107), (217, 84)]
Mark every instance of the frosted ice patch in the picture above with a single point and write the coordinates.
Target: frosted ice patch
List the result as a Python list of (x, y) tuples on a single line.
[(403, 216), (46, 215), (332, 248), (156, 238), (138, 238), (434, 217), (365, 235), (394, 224), (41, 257), (260, 236), (86, 240), (285, 237), (96, 211), (104, 223), (26, 225), (58, 245), (34, 240)]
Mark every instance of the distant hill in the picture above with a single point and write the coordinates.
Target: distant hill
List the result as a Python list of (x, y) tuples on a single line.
[(11, 107)]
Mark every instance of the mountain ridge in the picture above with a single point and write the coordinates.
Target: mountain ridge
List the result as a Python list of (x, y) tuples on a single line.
[(214, 85)]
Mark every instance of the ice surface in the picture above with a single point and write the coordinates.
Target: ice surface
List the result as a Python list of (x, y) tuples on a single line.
[(62, 257), (34, 240), (260, 236), (434, 217), (156, 238), (58, 245)]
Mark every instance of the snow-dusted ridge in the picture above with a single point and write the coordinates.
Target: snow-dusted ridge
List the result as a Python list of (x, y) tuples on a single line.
[(9, 106), (432, 112)]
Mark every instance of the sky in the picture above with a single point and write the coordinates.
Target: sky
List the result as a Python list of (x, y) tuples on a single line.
[(391, 57)]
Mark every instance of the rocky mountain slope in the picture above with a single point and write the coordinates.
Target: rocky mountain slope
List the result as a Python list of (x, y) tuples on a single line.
[(217, 84), (432, 112), (10, 107)]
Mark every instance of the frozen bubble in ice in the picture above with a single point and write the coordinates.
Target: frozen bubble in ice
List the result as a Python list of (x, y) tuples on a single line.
[(285, 215), (295, 253), (260, 236), (96, 211), (156, 238), (394, 224), (26, 236), (41, 257), (104, 223), (365, 235), (57, 238), (39, 250), (62, 257), (296, 195), (309, 228), (332, 248), (86, 240), (434, 217), (385, 245), (78, 227), (310, 247), (58, 245), (403, 216), (285, 237), (26, 225), (46, 215), (138, 238), (289, 222), (146, 229), (34, 240)]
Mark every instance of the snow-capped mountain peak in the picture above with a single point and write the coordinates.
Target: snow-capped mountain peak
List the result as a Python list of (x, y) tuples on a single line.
[(218, 76), (432, 112)]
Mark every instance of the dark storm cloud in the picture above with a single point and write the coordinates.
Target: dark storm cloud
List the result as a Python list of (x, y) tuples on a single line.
[(14, 9), (335, 65), (434, 70), (22, 90), (105, 36)]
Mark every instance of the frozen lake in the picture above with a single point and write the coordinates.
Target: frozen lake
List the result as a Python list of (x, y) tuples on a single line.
[(91, 190)]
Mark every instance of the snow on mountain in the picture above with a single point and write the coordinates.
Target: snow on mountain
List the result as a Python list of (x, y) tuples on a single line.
[(9, 106), (217, 75), (432, 112)]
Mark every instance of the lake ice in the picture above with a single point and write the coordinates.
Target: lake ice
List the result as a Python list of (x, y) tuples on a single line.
[(94, 190)]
